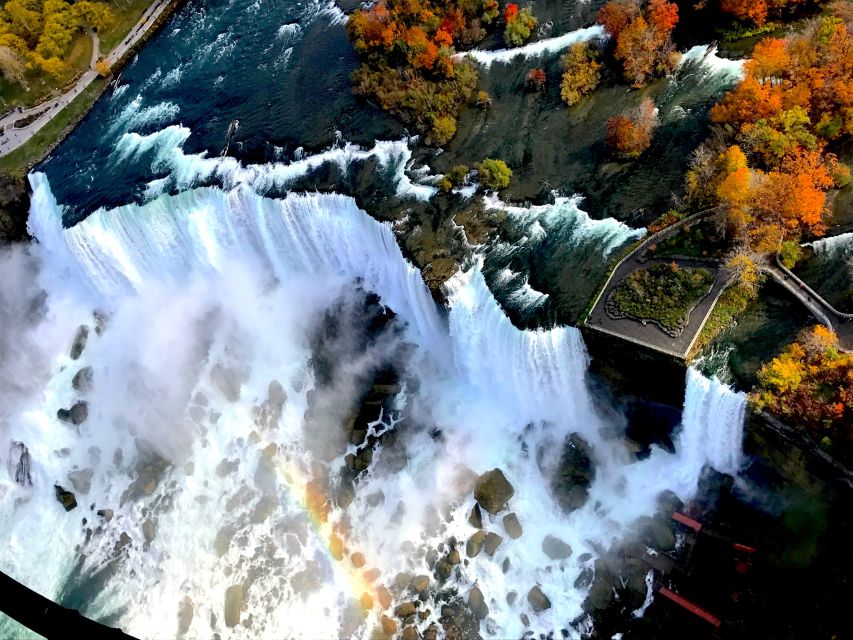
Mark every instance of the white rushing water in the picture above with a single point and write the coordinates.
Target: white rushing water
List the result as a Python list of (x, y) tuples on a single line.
[(548, 46), (833, 247), (210, 280)]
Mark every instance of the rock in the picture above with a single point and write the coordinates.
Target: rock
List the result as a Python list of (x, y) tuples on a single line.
[(410, 633), (511, 597), (76, 415), (477, 604), (106, 514), (81, 479), (149, 530), (65, 498), (493, 541), (525, 619), (186, 610), (453, 557), (661, 533), (513, 526), (584, 579), (406, 609), (493, 491), (384, 597), (276, 395), (402, 581), (389, 625), (372, 575), (20, 464), (420, 583), (476, 518), (538, 600), (227, 381), (79, 343), (233, 605), (123, 541), (475, 543), (555, 548), (357, 560), (505, 565), (83, 380), (576, 473), (443, 569)]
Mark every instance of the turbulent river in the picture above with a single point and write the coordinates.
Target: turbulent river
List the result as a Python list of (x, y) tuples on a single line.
[(209, 421)]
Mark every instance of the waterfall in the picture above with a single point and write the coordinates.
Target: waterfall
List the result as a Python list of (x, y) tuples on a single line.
[(834, 247), (208, 281)]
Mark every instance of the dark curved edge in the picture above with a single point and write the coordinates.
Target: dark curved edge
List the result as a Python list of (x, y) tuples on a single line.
[(47, 618)]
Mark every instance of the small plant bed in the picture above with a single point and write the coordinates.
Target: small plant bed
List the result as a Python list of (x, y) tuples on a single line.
[(700, 240), (663, 294)]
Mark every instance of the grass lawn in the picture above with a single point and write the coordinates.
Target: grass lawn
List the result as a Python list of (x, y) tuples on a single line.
[(41, 85), (662, 293), (127, 14), (17, 162)]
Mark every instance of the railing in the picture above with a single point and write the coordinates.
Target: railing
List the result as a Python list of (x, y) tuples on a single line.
[(803, 285)]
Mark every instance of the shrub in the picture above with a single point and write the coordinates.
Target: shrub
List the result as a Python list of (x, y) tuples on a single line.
[(581, 73), (535, 79), (494, 174), (443, 130), (484, 100), (457, 175), (628, 136), (790, 253)]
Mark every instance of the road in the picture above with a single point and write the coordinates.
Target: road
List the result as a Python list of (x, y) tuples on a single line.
[(12, 138)]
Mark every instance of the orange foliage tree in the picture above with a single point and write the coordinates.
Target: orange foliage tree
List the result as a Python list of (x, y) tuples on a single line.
[(629, 135), (642, 36)]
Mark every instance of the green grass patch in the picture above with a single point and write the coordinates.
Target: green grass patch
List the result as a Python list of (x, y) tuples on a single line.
[(42, 85), (127, 14), (662, 293), (21, 159), (741, 31), (732, 302), (614, 262)]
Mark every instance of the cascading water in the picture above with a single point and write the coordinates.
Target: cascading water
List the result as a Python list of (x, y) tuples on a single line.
[(211, 530)]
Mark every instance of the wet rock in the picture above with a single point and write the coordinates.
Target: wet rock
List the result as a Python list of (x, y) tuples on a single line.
[(80, 339), (372, 575), (493, 541), (384, 597), (357, 560), (443, 569), (76, 415), (420, 584), (186, 611), (81, 479), (124, 540), (477, 604), (406, 609), (106, 514), (538, 600), (389, 625), (453, 557), (525, 619), (576, 473), (149, 530), (226, 467), (83, 380), (493, 491), (513, 526), (555, 548), (227, 380), (584, 579), (375, 499), (505, 565), (20, 464), (511, 597), (233, 605), (663, 539), (410, 633), (402, 581), (65, 498), (475, 544), (476, 517)]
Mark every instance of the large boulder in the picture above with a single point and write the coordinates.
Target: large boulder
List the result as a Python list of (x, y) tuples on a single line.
[(233, 605), (79, 343), (65, 498), (477, 604), (76, 415), (513, 526), (493, 541), (475, 544), (538, 600), (555, 548), (576, 473), (20, 464), (493, 491)]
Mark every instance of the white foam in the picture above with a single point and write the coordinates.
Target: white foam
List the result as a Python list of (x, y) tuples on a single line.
[(706, 56), (537, 49)]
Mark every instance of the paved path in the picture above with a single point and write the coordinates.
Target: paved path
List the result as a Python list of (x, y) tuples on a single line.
[(825, 313), (96, 48), (12, 138)]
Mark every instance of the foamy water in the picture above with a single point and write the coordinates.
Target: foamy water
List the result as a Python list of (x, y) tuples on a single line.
[(548, 46), (230, 278)]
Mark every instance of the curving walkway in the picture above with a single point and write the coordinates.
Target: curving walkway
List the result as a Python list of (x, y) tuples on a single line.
[(12, 137), (825, 313)]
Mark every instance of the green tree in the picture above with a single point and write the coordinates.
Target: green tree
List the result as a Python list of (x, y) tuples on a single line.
[(494, 174), (519, 28)]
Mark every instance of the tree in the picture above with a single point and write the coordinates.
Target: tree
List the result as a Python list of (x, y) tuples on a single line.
[(494, 174), (581, 73), (790, 253), (103, 68), (535, 80), (443, 130), (616, 14), (629, 135), (12, 67), (519, 25), (743, 264), (752, 10)]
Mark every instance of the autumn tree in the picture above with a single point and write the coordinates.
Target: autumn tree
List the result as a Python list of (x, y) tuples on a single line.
[(643, 37), (535, 80), (494, 174), (743, 264), (519, 25), (581, 73), (630, 134), (12, 67)]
